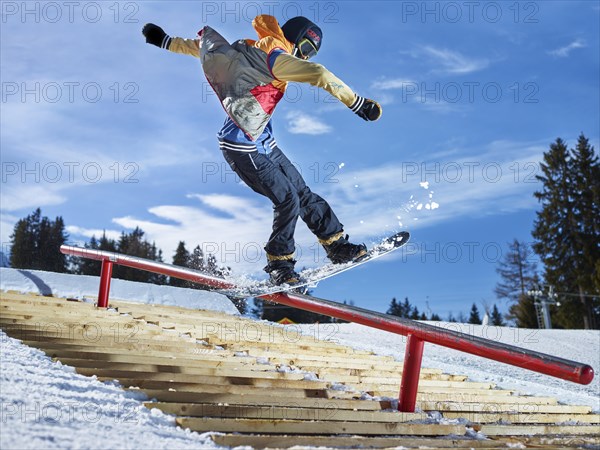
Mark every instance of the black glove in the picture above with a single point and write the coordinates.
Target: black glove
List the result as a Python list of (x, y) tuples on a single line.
[(367, 109), (155, 35)]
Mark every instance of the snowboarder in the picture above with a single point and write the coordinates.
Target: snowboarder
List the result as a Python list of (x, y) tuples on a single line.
[(249, 78)]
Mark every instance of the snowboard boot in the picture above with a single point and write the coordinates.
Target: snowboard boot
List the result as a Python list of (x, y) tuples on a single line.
[(281, 270), (340, 250)]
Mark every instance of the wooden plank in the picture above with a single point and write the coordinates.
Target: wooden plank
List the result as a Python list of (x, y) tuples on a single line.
[(53, 315), (492, 396), (262, 348), (132, 357), (256, 380), (523, 417), (129, 362), (308, 347), (383, 371), (123, 342), (455, 384), (390, 380), (123, 330), (234, 389), (46, 304), (31, 297), (284, 413), (491, 393), (140, 307), (196, 351), (360, 361), (260, 441), (315, 427), (91, 367), (261, 399), (494, 407), (348, 365), (564, 441), (493, 430)]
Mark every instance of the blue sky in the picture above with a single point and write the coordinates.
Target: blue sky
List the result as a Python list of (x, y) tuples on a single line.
[(112, 133)]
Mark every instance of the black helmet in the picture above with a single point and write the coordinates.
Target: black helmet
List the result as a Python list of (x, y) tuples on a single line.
[(304, 34)]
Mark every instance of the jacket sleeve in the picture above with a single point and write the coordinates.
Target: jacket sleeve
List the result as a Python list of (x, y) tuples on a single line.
[(185, 46), (290, 68)]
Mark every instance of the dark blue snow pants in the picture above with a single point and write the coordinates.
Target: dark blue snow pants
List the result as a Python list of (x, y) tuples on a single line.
[(275, 177)]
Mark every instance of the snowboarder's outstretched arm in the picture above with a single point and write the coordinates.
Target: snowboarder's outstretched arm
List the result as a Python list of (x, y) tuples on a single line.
[(290, 68), (284, 68), (155, 35)]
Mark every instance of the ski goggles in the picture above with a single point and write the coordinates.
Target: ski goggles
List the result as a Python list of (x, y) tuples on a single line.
[(306, 48)]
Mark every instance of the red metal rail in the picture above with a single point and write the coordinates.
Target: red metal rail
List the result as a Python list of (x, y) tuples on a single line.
[(418, 333)]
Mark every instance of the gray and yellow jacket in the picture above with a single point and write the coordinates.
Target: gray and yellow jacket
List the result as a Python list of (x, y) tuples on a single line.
[(250, 77)]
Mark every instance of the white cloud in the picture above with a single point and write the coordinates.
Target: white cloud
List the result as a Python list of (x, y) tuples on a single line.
[(18, 196), (394, 83), (450, 61), (301, 123), (563, 52), (496, 179), (89, 232), (414, 92), (234, 229)]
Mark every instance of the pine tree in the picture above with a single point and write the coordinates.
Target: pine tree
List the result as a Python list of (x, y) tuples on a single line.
[(36, 241), (56, 261), (405, 308), (414, 313), (474, 317), (518, 275), (566, 228), (586, 183), (134, 244), (182, 259), (436, 317), (87, 266), (394, 308), (23, 243), (196, 261), (496, 317)]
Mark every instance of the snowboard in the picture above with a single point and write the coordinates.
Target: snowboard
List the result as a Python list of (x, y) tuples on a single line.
[(309, 278)]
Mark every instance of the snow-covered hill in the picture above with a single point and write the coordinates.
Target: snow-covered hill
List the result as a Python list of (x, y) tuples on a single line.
[(46, 405)]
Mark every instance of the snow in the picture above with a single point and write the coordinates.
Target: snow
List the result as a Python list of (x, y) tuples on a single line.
[(85, 286), (576, 345), (47, 405), (44, 404)]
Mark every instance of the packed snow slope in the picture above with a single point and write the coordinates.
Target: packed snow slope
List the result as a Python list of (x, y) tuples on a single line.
[(47, 405)]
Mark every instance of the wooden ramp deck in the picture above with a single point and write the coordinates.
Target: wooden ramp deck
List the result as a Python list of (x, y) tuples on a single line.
[(267, 386)]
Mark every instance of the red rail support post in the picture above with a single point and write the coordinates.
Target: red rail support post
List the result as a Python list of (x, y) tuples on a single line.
[(105, 276), (410, 374)]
